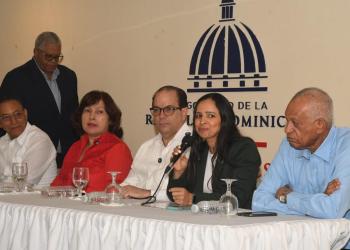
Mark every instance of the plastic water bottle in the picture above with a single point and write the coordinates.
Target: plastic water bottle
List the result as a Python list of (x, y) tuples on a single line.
[(208, 207)]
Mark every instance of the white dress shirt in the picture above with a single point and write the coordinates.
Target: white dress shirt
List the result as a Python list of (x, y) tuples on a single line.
[(150, 162), (35, 148), (207, 187)]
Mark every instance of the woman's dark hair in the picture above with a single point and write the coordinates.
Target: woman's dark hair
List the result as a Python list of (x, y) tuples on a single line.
[(114, 113), (228, 130)]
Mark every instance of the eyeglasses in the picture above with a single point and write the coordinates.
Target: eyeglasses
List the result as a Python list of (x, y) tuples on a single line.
[(52, 58), (18, 115), (168, 110)]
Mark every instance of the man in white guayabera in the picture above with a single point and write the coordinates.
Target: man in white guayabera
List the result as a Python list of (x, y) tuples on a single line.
[(24, 142), (169, 112)]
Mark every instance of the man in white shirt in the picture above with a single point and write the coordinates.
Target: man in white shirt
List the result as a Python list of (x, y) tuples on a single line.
[(24, 142), (169, 112)]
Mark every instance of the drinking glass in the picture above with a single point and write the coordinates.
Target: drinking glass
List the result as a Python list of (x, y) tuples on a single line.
[(113, 189), (19, 175), (228, 202), (80, 178)]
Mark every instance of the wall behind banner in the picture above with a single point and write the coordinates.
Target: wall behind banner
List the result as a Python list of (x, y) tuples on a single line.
[(131, 48)]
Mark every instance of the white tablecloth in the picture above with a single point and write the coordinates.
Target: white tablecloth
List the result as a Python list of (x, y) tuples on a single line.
[(35, 222)]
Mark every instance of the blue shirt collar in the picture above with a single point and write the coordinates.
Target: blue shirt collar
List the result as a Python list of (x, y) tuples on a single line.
[(324, 150)]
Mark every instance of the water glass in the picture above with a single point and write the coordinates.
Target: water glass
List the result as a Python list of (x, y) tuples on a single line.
[(19, 175), (228, 201), (80, 178), (113, 189)]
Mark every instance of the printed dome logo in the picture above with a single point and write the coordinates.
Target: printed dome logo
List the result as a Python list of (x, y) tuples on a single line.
[(228, 57)]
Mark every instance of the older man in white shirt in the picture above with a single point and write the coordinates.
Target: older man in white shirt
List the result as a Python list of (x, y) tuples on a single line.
[(24, 142), (169, 111)]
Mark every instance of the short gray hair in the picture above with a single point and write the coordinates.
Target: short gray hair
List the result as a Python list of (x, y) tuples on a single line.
[(46, 37), (322, 103)]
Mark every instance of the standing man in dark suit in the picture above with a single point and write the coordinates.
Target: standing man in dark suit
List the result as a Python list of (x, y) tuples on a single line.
[(48, 90)]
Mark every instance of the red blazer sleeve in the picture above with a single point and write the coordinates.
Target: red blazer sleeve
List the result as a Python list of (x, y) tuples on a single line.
[(119, 159), (64, 178)]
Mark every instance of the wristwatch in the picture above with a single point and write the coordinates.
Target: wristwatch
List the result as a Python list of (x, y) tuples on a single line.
[(283, 198)]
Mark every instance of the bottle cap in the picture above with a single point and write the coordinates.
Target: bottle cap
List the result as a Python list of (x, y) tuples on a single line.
[(195, 208)]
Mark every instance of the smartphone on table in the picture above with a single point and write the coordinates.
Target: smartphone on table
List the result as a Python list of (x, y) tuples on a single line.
[(257, 214)]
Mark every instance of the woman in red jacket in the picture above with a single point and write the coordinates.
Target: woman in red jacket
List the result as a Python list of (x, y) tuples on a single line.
[(100, 148)]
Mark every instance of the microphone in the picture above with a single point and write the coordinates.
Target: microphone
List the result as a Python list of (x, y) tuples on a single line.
[(185, 143)]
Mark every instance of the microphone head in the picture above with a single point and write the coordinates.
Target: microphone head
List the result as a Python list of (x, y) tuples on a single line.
[(186, 141)]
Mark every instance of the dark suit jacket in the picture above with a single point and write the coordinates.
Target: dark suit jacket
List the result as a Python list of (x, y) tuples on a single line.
[(241, 162), (28, 84)]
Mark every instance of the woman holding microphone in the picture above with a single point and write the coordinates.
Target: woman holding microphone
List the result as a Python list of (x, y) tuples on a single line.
[(218, 151)]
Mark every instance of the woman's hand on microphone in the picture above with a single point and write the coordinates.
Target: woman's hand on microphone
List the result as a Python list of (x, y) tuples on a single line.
[(181, 164)]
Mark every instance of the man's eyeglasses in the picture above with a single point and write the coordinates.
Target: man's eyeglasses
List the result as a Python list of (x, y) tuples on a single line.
[(18, 115), (168, 110), (52, 58)]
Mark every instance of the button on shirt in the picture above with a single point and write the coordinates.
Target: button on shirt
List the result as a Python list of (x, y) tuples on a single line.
[(308, 175), (35, 148), (147, 170)]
